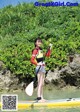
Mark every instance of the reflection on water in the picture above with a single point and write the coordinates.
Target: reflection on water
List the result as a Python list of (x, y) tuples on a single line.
[(55, 93), (50, 93)]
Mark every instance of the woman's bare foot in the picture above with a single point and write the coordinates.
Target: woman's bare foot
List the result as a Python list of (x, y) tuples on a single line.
[(42, 100)]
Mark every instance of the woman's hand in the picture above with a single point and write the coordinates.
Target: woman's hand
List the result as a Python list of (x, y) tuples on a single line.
[(50, 45)]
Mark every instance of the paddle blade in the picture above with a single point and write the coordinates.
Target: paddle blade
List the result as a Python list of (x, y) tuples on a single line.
[(29, 89)]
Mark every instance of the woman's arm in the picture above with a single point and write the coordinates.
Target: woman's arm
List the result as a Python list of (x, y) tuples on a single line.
[(48, 53), (33, 58)]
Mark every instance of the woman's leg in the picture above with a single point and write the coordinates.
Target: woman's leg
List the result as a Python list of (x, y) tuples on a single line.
[(43, 76), (40, 84)]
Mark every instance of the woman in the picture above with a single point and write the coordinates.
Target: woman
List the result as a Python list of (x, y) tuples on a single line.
[(38, 59)]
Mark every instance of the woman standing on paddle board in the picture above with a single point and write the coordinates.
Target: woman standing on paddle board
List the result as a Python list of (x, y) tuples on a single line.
[(38, 60)]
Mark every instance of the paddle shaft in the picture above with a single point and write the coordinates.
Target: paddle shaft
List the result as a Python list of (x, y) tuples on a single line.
[(35, 78)]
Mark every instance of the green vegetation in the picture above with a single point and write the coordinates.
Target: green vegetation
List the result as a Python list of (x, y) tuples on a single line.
[(20, 25)]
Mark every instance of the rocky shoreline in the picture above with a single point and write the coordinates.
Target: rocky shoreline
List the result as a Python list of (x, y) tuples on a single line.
[(69, 75)]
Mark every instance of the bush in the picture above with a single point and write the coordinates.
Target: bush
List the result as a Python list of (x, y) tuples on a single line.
[(20, 25)]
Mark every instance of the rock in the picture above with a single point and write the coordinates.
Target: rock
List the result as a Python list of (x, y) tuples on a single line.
[(52, 75), (8, 81), (69, 75), (54, 78)]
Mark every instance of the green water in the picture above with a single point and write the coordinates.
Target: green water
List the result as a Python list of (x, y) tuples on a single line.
[(55, 93), (53, 110), (50, 110)]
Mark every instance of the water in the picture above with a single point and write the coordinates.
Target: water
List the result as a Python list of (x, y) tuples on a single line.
[(51, 110), (54, 110), (51, 93)]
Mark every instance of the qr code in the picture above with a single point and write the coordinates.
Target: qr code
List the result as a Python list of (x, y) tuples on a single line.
[(9, 102)]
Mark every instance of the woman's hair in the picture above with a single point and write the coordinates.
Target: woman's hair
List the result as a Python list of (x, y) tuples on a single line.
[(37, 39)]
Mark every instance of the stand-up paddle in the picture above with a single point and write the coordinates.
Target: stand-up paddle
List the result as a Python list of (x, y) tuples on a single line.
[(30, 87)]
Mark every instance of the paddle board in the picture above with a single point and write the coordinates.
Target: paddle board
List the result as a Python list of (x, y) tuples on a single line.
[(71, 102)]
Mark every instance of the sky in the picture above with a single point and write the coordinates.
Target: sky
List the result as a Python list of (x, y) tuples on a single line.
[(4, 3)]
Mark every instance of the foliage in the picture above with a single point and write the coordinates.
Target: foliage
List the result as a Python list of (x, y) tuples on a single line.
[(20, 25)]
